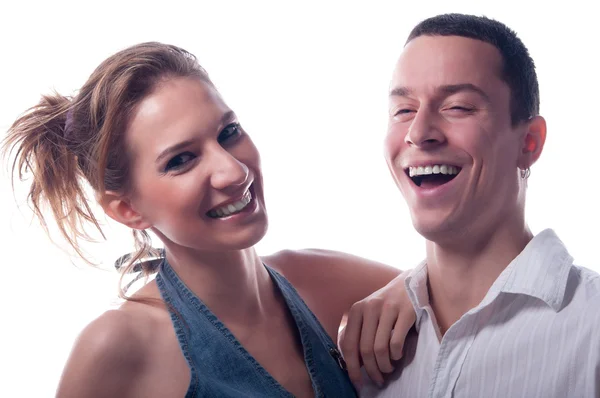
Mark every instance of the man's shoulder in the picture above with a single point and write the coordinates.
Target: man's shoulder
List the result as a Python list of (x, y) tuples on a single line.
[(582, 295), (585, 281), (588, 275)]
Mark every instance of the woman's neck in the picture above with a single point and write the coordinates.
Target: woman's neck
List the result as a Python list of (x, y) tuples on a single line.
[(235, 285)]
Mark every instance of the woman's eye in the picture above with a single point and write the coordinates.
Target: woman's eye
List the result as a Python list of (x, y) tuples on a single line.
[(230, 132), (179, 161)]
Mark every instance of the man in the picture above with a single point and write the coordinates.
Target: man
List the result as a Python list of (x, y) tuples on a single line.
[(500, 312)]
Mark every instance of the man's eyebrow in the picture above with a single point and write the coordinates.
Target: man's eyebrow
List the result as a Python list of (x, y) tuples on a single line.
[(448, 89), (400, 92), (226, 118), (456, 88)]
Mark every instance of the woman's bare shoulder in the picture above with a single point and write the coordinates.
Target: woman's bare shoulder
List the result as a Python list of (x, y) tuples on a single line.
[(112, 352), (106, 358)]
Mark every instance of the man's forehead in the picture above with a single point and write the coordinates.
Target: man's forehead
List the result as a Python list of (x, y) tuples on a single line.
[(446, 60)]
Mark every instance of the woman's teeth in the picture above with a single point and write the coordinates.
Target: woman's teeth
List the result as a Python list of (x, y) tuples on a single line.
[(231, 208)]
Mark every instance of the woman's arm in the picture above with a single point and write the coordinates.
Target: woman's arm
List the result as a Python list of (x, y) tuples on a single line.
[(337, 284)]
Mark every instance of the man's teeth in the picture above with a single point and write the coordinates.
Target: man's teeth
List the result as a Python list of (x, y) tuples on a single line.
[(231, 208), (433, 169)]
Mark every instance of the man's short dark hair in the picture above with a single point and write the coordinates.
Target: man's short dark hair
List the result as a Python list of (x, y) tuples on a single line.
[(518, 69)]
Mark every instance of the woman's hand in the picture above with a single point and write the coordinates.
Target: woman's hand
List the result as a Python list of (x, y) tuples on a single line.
[(375, 332)]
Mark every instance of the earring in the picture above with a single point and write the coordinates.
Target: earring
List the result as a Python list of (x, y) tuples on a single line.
[(525, 173)]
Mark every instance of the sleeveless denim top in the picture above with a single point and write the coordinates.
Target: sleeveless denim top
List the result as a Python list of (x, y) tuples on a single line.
[(219, 364)]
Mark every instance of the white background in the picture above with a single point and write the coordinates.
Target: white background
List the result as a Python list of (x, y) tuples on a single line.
[(309, 83)]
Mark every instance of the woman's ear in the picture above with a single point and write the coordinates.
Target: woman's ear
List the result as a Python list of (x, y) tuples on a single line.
[(119, 209)]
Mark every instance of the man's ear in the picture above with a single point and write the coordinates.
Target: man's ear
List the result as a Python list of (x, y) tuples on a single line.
[(533, 142), (119, 209)]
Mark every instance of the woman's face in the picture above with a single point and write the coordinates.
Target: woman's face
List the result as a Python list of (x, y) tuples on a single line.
[(195, 173)]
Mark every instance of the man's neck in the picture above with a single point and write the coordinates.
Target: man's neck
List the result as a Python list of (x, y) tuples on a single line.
[(459, 276)]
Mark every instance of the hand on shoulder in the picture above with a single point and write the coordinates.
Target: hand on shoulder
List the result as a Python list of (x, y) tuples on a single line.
[(376, 330), (372, 295)]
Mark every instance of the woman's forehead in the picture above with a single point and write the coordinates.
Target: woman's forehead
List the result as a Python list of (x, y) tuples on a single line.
[(177, 109)]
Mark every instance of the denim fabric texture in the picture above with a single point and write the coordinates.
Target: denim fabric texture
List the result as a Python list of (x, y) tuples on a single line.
[(221, 367)]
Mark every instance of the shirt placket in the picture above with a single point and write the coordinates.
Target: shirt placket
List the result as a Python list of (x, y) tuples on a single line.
[(451, 357)]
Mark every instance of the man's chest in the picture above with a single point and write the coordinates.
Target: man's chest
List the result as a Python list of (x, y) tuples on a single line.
[(497, 355)]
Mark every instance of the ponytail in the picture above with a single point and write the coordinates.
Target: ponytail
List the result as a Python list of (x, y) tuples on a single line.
[(39, 142)]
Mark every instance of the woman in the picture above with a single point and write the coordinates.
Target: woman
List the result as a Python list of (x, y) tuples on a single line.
[(163, 152)]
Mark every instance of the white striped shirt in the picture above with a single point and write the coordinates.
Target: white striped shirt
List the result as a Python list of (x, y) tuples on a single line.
[(535, 334)]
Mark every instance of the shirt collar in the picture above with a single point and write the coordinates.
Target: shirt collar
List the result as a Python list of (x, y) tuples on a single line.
[(418, 292), (541, 270)]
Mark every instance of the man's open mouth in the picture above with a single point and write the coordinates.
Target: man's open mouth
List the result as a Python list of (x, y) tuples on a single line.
[(432, 176)]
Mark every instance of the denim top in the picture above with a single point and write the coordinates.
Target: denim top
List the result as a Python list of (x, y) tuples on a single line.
[(221, 367)]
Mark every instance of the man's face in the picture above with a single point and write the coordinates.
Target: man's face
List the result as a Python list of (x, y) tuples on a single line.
[(451, 147)]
